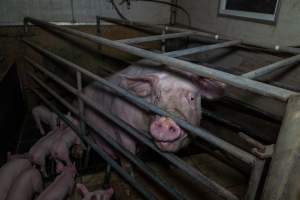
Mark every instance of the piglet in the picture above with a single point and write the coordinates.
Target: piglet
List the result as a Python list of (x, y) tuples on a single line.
[(96, 195), (28, 184), (62, 186), (42, 114), (9, 173), (60, 149), (42, 148)]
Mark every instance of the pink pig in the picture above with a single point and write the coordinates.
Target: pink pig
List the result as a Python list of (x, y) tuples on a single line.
[(28, 184), (96, 195), (9, 173), (176, 92), (62, 186)]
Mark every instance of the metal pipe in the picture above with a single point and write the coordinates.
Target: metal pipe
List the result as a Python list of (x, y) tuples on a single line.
[(154, 38), (238, 81), (255, 180), (140, 136), (216, 37), (201, 49), (286, 63), (105, 157), (140, 164), (283, 176), (197, 131)]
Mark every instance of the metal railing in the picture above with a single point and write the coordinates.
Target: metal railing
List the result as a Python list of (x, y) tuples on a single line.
[(254, 161)]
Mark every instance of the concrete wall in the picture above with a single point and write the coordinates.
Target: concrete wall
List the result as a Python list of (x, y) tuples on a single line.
[(204, 15), (13, 11)]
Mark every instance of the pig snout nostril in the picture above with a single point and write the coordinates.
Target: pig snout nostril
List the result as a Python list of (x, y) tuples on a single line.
[(172, 129)]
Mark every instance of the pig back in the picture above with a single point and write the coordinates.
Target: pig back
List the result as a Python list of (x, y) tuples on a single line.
[(9, 173), (28, 184)]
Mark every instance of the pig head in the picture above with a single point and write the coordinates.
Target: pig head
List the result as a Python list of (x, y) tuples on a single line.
[(178, 94)]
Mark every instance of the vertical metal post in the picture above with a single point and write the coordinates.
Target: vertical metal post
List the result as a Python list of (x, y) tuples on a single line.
[(98, 21), (163, 41), (255, 179), (81, 113), (283, 176)]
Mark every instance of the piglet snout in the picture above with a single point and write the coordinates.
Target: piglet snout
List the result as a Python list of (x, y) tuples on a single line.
[(165, 129)]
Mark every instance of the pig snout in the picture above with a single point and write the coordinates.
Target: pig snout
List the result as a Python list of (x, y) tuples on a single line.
[(164, 129), (167, 135)]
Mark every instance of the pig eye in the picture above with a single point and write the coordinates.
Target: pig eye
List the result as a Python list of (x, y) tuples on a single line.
[(192, 98)]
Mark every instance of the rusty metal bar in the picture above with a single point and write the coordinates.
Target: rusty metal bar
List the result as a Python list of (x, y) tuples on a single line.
[(107, 158), (286, 63), (153, 38), (196, 131), (201, 49), (238, 81), (196, 175)]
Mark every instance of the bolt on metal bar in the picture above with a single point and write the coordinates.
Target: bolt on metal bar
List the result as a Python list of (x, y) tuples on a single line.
[(286, 63), (154, 38), (196, 131), (140, 164), (140, 136), (201, 49), (238, 81), (216, 37), (107, 158)]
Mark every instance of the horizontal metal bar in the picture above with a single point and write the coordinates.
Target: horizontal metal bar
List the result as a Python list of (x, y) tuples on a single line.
[(196, 131), (155, 38), (201, 49), (216, 37), (140, 164), (240, 82), (107, 158), (140, 136), (286, 63)]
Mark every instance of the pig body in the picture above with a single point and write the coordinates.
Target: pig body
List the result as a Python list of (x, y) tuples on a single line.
[(29, 184), (42, 148), (9, 173), (42, 114), (95, 195), (61, 187), (175, 92), (60, 149)]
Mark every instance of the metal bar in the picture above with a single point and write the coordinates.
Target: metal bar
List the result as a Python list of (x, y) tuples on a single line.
[(240, 82), (283, 176), (201, 49), (286, 63), (216, 37), (255, 179), (80, 102), (140, 136), (154, 38), (197, 131), (107, 158), (141, 165)]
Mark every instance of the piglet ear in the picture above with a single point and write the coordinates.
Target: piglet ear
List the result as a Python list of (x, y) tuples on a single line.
[(141, 86), (209, 88)]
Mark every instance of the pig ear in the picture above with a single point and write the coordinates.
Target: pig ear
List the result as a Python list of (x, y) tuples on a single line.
[(209, 88), (142, 86), (83, 191)]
